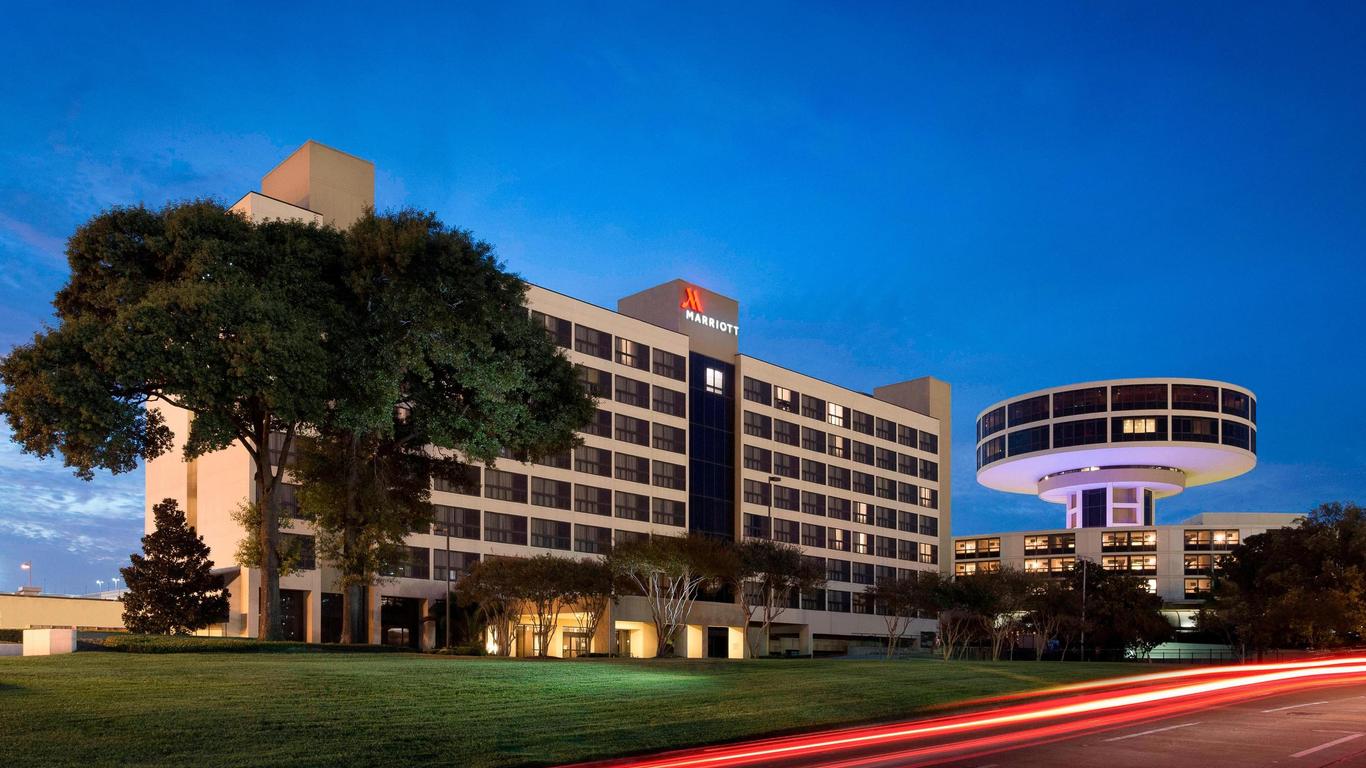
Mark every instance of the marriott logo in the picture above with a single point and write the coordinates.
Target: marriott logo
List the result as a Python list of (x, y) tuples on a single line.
[(692, 310)]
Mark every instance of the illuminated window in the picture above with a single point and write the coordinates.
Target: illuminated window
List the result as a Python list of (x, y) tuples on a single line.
[(784, 399), (1196, 588), (1150, 585), (835, 414), (1224, 539), (716, 382), (1139, 426)]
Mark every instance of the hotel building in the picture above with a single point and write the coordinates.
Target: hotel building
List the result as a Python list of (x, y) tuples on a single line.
[(1107, 451), (689, 435)]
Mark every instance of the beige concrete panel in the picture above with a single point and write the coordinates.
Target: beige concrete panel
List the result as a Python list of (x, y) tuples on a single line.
[(25, 611)]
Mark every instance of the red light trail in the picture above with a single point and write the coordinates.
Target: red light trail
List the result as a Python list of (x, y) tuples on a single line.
[(1074, 709)]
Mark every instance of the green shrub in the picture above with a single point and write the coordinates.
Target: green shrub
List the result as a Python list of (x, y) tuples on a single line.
[(130, 643)]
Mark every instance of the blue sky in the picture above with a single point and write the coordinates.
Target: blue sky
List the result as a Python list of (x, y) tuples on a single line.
[(1008, 197)]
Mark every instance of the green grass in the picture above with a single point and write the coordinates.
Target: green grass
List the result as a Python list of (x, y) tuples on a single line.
[(325, 709)]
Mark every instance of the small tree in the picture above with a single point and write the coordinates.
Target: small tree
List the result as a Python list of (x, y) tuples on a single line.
[(1004, 605), (171, 587), (766, 574), (899, 599), (669, 571), (543, 586), (491, 585), (1051, 607), (590, 592)]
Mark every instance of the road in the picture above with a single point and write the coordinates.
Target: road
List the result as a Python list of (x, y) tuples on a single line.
[(1302, 714)]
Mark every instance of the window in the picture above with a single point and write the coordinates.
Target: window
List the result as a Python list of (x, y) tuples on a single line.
[(592, 539), (592, 500), (837, 477), (757, 458), (784, 399), (907, 521), (786, 498), (838, 508), (838, 446), (1195, 429), (835, 414), (592, 342), (463, 480), (670, 365), (305, 550), (1197, 588), (1050, 544), (758, 425), (633, 469), (929, 525), (970, 548), (1079, 401), (863, 453), (288, 499), (813, 600), (633, 506), (758, 391), (863, 512), (837, 570), (559, 460), (716, 381), (785, 531), (863, 483), (885, 430), (632, 392), (562, 331), (886, 488), (786, 432), (668, 475), (594, 461), (929, 470), (504, 529), (971, 568), (462, 523), (756, 492), (631, 537), (1137, 565), (550, 493), (1049, 565), (861, 422), (633, 354), (861, 543), (885, 546), (813, 503), (1192, 397), (596, 383), (992, 450), (813, 535), (1028, 410), (672, 439), (906, 464), (991, 422), (813, 407), (415, 564), (905, 550), (813, 471), (632, 430), (886, 459), (756, 527), (1028, 440), (450, 566), (1138, 397), (670, 402), (1128, 429), (813, 439), (508, 486), (929, 553), (549, 534), (601, 425), (785, 465), (1237, 434), (668, 512), (886, 517), (929, 497), (1196, 564), (1128, 541), (1235, 403), (1080, 432)]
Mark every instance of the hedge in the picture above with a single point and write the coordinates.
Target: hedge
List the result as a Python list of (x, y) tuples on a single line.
[(130, 643)]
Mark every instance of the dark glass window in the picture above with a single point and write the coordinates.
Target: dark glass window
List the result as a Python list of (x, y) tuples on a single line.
[(668, 401), (508, 486), (758, 391), (757, 458), (992, 421), (594, 461), (837, 508), (863, 483), (1028, 410), (862, 573), (929, 525), (667, 438), (1193, 397), (633, 354), (886, 459), (758, 425), (786, 432), (786, 531), (1138, 397), (862, 423), (670, 365), (906, 436), (633, 392), (1080, 432), (1125, 429), (592, 539), (596, 383), (634, 469), (756, 492), (601, 425), (550, 493), (631, 537), (907, 522), (668, 512), (908, 493), (885, 517), (448, 566), (461, 522), (1028, 440), (813, 439), (837, 477), (813, 503), (1195, 428), (837, 570), (562, 331), (756, 527), (813, 407), (592, 342), (929, 442), (1093, 508), (1078, 401), (504, 529), (1236, 403), (465, 480), (559, 460), (1237, 434), (886, 488), (786, 465), (992, 450), (906, 464), (549, 534), (593, 501), (813, 471), (813, 535), (632, 430), (667, 475), (415, 564), (929, 470), (863, 453), (633, 506), (787, 498)]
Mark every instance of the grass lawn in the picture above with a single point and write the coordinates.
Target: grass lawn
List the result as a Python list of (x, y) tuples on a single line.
[(334, 709)]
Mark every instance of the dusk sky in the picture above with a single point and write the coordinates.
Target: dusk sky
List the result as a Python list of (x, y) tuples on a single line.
[(1012, 198)]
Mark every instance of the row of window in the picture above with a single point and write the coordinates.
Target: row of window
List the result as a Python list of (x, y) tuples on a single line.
[(785, 399), (859, 512), (1122, 429), (841, 539), (841, 447), (591, 341), (556, 534), (1110, 541), (628, 391), (787, 497), (544, 492), (1127, 397), (1195, 588)]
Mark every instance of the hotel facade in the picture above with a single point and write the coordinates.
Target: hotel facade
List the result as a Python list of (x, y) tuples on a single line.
[(689, 435)]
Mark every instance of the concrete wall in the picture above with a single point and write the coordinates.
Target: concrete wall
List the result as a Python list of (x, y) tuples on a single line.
[(36, 611)]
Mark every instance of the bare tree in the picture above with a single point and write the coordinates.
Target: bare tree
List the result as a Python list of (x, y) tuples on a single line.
[(766, 575), (669, 571)]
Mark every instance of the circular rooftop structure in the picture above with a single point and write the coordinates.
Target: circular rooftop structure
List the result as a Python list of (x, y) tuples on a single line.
[(1125, 442)]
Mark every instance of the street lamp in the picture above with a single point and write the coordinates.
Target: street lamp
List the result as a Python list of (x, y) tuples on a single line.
[(774, 479), (27, 565), (449, 519), (99, 583)]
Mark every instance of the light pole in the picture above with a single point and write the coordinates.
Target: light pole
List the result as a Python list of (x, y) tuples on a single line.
[(99, 583), (448, 583), (1083, 562), (27, 565), (773, 480)]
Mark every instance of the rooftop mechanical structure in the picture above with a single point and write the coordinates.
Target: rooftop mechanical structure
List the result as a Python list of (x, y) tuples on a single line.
[(1106, 450)]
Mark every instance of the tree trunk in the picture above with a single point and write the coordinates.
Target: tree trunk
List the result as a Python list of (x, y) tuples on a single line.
[(354, 610), (268, 540)]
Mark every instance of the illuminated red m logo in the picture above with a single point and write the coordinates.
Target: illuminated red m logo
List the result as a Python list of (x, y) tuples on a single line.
[(691, 300)]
